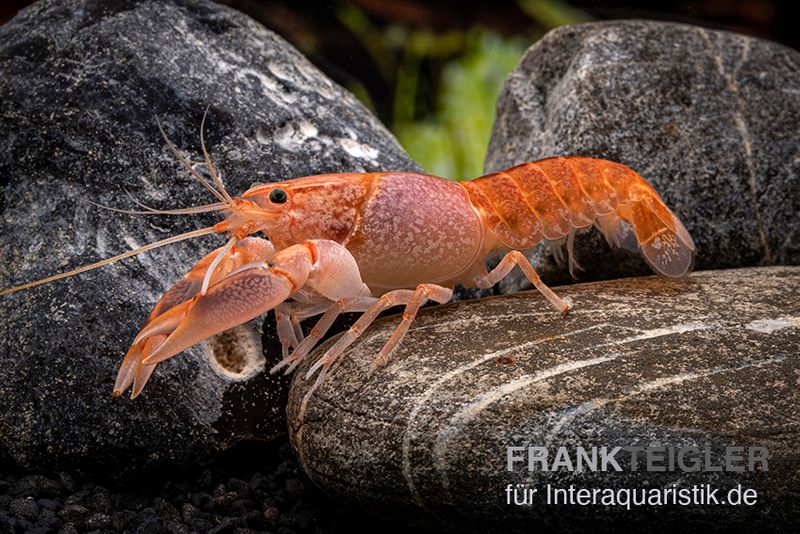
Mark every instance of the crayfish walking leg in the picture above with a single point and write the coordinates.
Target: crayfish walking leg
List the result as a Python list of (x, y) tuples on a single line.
[(412, 299), (355, 304), (505, 266)]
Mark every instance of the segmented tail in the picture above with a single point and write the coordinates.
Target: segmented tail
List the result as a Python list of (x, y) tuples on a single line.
[(553, 198)]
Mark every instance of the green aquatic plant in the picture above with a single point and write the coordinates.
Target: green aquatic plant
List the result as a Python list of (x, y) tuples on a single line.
[(452, 140), (446, 83)]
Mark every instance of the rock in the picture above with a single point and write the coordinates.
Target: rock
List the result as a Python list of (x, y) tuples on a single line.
[(81, 83), (710, 361), (709, 118), (24, 508)]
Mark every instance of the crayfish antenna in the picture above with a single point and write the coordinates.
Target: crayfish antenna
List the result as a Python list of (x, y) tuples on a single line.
[(213, 267), (188, 165), (210, 165), (218, 206), (226, 202), (145, 248)]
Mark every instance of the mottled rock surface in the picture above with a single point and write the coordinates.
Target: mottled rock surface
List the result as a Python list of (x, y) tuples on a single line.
[(709, 118), (81, 83), (709, 361)]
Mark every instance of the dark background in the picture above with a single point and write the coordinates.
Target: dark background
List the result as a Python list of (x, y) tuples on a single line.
[(431, 69)]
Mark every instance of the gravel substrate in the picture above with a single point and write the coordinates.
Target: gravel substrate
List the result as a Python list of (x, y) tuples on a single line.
[(252, 488)]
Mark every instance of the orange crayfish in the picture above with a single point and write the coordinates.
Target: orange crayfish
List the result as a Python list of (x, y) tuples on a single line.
[(366, 242)]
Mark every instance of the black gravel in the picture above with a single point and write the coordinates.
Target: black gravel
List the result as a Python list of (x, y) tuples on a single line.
[(254, 487)]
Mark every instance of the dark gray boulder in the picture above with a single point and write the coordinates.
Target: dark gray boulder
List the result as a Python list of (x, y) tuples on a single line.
[(708, 117), (81, 83), (708, 362)]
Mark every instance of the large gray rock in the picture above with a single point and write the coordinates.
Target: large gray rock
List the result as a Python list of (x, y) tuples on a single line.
[(709, 118), (81, 83), (711, 361)]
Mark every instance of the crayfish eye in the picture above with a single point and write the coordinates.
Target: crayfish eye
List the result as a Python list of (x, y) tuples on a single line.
[(278, 196)]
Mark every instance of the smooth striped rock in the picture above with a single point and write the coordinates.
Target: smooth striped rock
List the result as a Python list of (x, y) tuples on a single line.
[(708, 361)]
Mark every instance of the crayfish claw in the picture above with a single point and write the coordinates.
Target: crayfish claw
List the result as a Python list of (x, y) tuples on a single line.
[(142, 376), (127, 370), (133, 370), (144, 371)]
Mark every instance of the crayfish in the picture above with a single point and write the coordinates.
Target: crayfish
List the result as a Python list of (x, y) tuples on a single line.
[(364, 242)]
